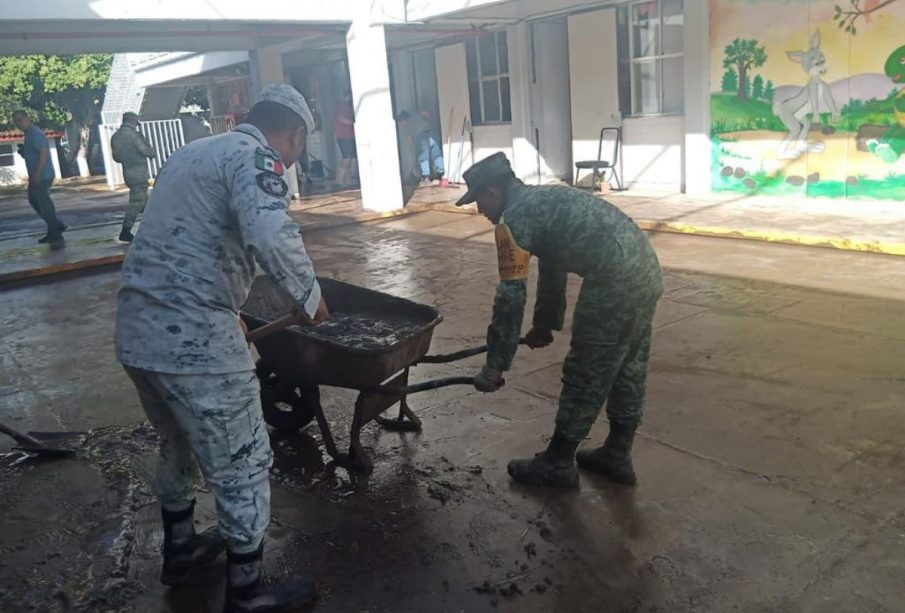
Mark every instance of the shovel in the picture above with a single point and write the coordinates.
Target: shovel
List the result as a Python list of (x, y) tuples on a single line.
[(30, 444), (292, 319)]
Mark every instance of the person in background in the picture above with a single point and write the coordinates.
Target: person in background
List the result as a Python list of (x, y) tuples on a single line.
[(131, 149), (417, 132), (344, 133), (36, 152)]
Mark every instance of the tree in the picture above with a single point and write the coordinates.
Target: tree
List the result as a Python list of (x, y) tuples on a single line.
[(757, 89), (52, 85), (730, 81), (768, 91), (848, 18), (744, 55), (197, 96)]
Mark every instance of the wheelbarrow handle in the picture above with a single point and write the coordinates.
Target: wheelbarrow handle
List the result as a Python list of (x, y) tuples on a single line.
[(456, 355), (426, 385)]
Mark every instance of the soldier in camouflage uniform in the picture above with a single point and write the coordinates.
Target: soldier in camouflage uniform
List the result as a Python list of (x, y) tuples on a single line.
[(218, 208), (571, 231), (131, 149)]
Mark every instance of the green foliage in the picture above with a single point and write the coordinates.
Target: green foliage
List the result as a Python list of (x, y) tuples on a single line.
[(862, 112), (52, 85), (768, 91), (757, 89), (847, 18), (197, 96), (729, 114), (744, 54), (730, 81)]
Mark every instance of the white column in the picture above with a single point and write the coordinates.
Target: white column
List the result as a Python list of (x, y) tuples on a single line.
[(266, 65), (375, 130), (697, 98)]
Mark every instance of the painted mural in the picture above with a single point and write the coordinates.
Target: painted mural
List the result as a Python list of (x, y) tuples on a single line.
[(808, 97)]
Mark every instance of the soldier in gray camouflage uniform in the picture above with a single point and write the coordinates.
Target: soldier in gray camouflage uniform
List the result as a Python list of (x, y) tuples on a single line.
[(219, 207), (131, 149), (571, 231)]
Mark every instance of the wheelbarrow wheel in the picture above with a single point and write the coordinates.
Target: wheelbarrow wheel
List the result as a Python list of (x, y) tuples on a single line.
[(286, 406)]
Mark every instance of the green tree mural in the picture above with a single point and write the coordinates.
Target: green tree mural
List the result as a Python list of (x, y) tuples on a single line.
[(743, 55), (757, 88), (768, 91), (730, 81)]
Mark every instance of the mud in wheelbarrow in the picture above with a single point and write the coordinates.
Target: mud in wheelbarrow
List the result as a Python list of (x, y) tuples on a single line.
[(369, 345)]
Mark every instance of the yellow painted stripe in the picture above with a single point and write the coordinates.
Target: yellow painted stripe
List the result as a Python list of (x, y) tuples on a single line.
[(777, 236)]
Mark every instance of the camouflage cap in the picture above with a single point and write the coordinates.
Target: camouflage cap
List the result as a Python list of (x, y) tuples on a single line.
[(483, 173), (288, 96)]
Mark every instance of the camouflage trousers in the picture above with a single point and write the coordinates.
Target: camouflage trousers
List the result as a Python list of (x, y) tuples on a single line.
[(607, 362), (216, 421), (138, 198)]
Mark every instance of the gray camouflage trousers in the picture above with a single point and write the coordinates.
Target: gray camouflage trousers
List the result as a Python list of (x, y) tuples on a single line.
[(216, 421), (607, 361), (138, 199)]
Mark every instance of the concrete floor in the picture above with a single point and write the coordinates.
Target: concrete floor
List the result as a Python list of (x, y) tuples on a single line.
[(770, 458)]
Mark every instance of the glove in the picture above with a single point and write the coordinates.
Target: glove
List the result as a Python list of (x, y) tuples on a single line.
[(538, 337), (488, 380)]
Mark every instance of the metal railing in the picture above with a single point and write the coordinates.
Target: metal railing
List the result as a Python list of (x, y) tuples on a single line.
[(164, 135), (220, 124)]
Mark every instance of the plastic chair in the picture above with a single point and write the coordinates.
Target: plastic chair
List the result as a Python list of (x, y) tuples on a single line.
[(600, 166)]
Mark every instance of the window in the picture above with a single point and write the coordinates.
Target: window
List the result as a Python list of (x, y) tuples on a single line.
[(7, 155), (488, 79), (651, 64)]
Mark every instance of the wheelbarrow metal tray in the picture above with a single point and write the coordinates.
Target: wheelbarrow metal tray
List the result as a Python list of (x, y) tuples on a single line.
[(302, 354)]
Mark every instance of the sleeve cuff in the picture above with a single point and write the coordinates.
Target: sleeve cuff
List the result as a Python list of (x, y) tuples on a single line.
[(313, 301)]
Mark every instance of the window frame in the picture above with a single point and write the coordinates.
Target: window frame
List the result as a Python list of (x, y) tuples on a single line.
[(656, 60), (480, 79)]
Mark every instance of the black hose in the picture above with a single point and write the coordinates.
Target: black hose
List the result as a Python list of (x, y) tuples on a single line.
[(452, 357)]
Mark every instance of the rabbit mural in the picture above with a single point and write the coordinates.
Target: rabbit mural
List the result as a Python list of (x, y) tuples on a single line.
[(813, 105), (795, 111)]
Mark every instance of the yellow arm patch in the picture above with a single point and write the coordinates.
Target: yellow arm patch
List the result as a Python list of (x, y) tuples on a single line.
[(513, 260)]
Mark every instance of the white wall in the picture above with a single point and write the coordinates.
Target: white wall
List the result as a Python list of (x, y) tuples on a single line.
[(452, 91), (652, 152), (180, 10), (17, 174), (593, 77), (417, 10), (652, 148), (174, 66)]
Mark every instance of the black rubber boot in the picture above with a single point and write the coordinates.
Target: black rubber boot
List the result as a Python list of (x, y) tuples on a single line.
[(126, 236), (248, 590), (553, 467), (614, 459), (184, 551)]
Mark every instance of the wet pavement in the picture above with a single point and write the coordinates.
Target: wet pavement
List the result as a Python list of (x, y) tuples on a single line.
[(770, 459)]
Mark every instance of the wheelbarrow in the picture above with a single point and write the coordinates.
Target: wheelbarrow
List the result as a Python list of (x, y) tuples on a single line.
[(370, 344)]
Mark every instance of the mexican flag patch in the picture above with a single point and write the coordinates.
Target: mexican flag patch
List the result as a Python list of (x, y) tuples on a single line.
[(265, 162)]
